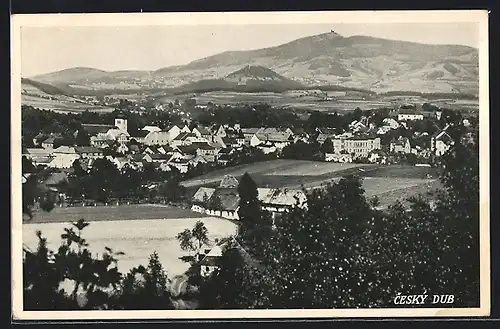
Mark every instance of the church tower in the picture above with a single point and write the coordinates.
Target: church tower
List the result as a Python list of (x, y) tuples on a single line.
[(121, 123)]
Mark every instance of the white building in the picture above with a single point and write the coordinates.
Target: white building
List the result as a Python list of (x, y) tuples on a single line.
[(406, 115)]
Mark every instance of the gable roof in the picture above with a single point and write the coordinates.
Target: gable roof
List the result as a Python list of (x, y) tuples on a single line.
[(139, 133), (87, 149), (183, 136), (202, 193), (229, 181), (250, 130), (203, 130), (95, 129), (443, 136), (65, 149), (38, 152), (229, 198), (160, 156), (283, 197)]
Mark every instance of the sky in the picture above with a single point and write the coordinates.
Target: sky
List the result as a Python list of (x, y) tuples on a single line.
[(110, 48)]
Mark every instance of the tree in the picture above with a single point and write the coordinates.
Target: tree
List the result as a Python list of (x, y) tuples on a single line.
[(357, 114), (192, 240), (255, 224), (146, 288), (44, 271), (82, 138), (313, 260), (327, 146), (235, 284), (27, 166)]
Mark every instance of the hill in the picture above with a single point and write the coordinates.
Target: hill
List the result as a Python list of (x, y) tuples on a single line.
[(376, 64)]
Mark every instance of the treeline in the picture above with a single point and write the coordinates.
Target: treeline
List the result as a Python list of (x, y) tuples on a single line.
[(462, 96), (258, 115)]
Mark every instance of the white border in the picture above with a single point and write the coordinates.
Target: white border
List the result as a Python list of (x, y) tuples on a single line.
[(136, 19)]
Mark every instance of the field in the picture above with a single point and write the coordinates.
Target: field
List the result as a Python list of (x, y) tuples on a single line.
[(309, 102), (136, 238), (389, 183), (61, 103), (112, 213)]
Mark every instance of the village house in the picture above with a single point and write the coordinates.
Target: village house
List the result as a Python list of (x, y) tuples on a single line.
[(281, 200), (203, 133), (248, 133), (209, 261), (401, 145), (39, 138), (357, 126), (278, 138), (180, 164), (391, 123), (48, 143), (338, 157), (151, 128), (157, 138), (223, 201), (323, 137), (377, 157), (63, 157), (441, 142), (88, 152), (100, 133), (383, 130), (164, 166), (207, 151), (38, 155), (267, 147), (122, 148), (209, 257), (409, 115), (183, 139)]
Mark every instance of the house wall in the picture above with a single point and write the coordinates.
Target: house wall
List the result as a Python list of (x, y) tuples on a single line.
[(404, 117), (63, 161), (207, 270), (441, 148), (254, 141), (157, 138)]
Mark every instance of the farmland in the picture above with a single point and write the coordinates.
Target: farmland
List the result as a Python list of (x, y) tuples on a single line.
[(61, 104), (389, 183), (312, 101), (138, 239)]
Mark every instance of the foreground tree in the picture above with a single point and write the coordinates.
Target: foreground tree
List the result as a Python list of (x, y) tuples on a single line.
[(73, 278), (255, 225)]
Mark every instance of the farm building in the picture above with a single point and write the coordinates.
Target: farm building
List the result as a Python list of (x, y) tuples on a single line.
[(223, 201)]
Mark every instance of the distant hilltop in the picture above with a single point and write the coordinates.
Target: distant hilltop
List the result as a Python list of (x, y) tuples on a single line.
[(357, 62)]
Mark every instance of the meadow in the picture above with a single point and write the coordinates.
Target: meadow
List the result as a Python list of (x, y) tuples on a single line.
[(112, 213), (136, 238), (61, 104), (389, 183)]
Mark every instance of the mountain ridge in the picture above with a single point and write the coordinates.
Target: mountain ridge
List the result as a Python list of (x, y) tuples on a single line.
[(377, 64)]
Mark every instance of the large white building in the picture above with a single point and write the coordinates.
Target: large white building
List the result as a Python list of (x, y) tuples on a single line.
[(358, 147)]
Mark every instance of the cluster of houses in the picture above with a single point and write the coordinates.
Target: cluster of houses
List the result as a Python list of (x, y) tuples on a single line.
[(182, 147), (223, 201)]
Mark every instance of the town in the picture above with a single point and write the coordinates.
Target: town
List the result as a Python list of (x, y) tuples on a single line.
[(405, 135)]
